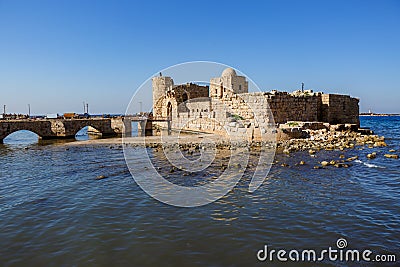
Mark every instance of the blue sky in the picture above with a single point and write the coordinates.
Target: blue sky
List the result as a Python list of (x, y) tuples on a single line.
[(56, 54)]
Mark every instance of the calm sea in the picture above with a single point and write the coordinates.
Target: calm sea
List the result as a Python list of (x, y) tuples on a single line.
[(54, 212)]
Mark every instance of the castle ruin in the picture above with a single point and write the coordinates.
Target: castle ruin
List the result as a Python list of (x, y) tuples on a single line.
[(227, 106)]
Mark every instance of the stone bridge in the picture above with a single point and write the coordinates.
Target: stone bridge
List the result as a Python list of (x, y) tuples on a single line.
[(65, 128)]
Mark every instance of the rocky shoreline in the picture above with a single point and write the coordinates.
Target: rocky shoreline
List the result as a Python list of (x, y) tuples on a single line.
[(317, 140), (331, 140), (336, 141)]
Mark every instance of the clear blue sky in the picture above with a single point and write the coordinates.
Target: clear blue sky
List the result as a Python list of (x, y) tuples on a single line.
[(56, 54)]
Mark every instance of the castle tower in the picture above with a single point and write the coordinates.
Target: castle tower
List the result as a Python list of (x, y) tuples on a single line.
[(160, 86), (229, 83)]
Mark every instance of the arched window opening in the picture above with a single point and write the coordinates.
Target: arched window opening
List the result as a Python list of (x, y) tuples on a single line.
[(185, 97), (169, 110)]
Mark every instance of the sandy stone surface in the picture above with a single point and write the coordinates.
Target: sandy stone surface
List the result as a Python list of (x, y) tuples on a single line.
[(182, 139)]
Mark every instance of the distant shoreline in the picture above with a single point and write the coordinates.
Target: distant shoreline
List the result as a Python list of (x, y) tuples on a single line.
[(379, 115)]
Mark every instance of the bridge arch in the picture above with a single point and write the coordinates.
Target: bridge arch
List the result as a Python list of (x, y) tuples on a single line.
[(22, 136), (103, 127), (88, 131), (63, 128), (40, 128)]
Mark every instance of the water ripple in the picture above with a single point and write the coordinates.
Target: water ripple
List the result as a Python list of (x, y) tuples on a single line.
[(54, 211)]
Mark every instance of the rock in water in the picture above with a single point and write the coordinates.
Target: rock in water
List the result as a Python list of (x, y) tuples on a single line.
[(352, 158), (101, 177), (391, 156)]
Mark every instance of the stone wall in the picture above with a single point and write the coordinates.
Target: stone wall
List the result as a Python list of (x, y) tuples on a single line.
[(160, 86), (227, 110), (286, 107), (242, 116), (121, 126), (339, 109)]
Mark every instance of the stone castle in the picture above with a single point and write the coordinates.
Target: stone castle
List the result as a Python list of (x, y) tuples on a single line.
[(226, 106)]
